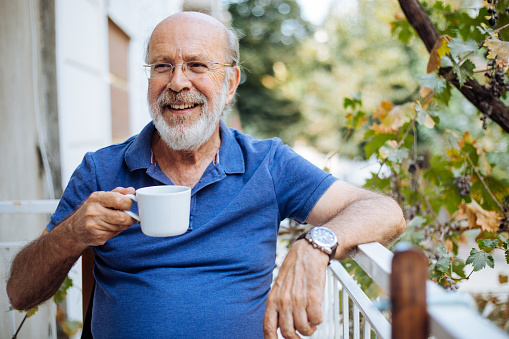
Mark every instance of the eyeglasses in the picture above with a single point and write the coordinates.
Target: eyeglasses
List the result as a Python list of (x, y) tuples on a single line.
[(191, 69)]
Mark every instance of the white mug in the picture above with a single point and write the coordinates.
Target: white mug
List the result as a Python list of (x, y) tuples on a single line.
[(163, 210)]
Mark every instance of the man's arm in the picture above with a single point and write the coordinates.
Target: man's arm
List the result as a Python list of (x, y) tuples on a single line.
[(356, 216), (40, 268)]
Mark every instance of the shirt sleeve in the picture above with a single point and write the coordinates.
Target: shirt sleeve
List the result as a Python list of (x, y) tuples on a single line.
[(82, 183), (298, 183)]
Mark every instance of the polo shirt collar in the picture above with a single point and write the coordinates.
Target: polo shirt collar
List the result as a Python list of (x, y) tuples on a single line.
[(139, 153), (231, 158)]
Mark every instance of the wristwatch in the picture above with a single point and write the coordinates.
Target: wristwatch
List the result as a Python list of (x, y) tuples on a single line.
[(323, 239)]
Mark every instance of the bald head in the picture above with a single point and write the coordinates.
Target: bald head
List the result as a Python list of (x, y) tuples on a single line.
[(204, 23)]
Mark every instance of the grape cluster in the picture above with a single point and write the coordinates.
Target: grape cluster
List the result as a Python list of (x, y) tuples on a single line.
[(450, 284), (496, 77), (504, 223), (492, 12), (463, 184), (413, 165)]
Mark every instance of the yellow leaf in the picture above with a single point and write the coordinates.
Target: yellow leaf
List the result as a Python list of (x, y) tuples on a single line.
[(382, 110), (392, 117), (478, 217), (502, 278), (393, 143), (425, 93), (449, 245), (498, 49), (439, 49), (466, 139)]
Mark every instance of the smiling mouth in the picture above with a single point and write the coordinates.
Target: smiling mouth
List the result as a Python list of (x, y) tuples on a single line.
[(182, 106)]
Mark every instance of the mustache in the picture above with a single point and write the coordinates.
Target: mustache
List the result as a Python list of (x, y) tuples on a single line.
[(168, 97)]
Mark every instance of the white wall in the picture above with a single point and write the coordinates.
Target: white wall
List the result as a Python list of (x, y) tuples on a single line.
[(21, 175)]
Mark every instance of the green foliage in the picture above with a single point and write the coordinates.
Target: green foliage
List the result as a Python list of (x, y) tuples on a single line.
[(479, 259), (270, 32), (59, 297), (444, 169)]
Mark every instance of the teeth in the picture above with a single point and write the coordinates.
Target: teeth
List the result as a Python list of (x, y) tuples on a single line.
[(183, 106)]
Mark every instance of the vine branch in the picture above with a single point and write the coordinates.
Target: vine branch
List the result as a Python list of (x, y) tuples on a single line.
[(477, 94)]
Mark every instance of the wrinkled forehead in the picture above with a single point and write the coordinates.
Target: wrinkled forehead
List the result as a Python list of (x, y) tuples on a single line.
[(188, 36)]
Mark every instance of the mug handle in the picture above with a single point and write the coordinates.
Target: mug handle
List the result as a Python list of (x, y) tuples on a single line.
[(132, 214)]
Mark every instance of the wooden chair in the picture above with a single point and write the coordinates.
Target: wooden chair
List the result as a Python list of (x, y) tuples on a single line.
[(88, 285)]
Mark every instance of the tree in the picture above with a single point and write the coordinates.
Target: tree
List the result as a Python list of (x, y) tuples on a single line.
[(270, 32)]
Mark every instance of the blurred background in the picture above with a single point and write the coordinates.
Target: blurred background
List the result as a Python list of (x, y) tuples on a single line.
[(313, 73)]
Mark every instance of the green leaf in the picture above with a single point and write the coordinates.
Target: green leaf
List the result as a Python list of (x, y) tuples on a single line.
[(394, 155), (459, 47), (445, 62), (487, 30), (62, 291), (352, 102), (433, 82), (423, 117), (480, 259), (507, 256), (504, 242), (32, 311), (443, 264), (458, 267), (375, 143), (403, 30), (445, 97), (464, 71), (487, 244)]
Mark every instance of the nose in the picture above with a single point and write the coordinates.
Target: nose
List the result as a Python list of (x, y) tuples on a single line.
[(178, 79)]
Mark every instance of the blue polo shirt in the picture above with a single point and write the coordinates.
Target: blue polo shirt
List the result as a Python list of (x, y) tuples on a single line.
[(212, 281)]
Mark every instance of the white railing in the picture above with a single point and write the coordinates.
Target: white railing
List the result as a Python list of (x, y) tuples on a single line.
[(451, 314), (9, 248)]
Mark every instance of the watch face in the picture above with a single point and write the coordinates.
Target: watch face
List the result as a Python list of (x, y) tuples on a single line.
[(323, 236)]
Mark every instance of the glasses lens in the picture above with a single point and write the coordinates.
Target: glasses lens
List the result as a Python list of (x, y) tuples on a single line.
[(147, 70), (197, 67)]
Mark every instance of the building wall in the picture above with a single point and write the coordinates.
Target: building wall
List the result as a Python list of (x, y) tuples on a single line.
[(26, 88)]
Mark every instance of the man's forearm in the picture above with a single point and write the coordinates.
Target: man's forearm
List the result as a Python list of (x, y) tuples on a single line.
[(39, 269), (357, 216), (374, 219)]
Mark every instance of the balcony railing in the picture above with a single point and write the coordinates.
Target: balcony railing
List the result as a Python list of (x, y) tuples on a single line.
[(441, 315), (418, 308)]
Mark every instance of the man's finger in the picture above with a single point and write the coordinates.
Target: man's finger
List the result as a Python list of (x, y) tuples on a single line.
[(300, 318), (270, 324)]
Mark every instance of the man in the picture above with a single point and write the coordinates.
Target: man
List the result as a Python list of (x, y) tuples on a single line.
[(214, 280)]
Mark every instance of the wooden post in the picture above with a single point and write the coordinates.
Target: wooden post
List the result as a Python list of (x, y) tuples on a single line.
[(408, 295), (87, 278)]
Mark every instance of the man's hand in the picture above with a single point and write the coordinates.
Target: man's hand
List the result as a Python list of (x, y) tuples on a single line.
[(295, 300), (101, 217), (40, 268)]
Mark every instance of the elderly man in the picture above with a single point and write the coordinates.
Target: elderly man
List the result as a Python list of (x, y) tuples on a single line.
[(214, 281)]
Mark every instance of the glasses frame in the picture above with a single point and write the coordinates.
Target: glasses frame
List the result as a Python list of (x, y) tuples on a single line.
[(149, 67)]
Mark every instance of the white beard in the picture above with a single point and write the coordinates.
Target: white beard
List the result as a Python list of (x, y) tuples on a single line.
[(176, 133)]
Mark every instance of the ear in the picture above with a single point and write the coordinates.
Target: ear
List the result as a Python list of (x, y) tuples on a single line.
[(234, 83)]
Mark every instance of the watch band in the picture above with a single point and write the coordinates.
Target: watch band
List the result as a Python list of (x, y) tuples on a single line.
[(333, 248)]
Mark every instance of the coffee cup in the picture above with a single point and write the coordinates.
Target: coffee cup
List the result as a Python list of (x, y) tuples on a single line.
[(163, 210)]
